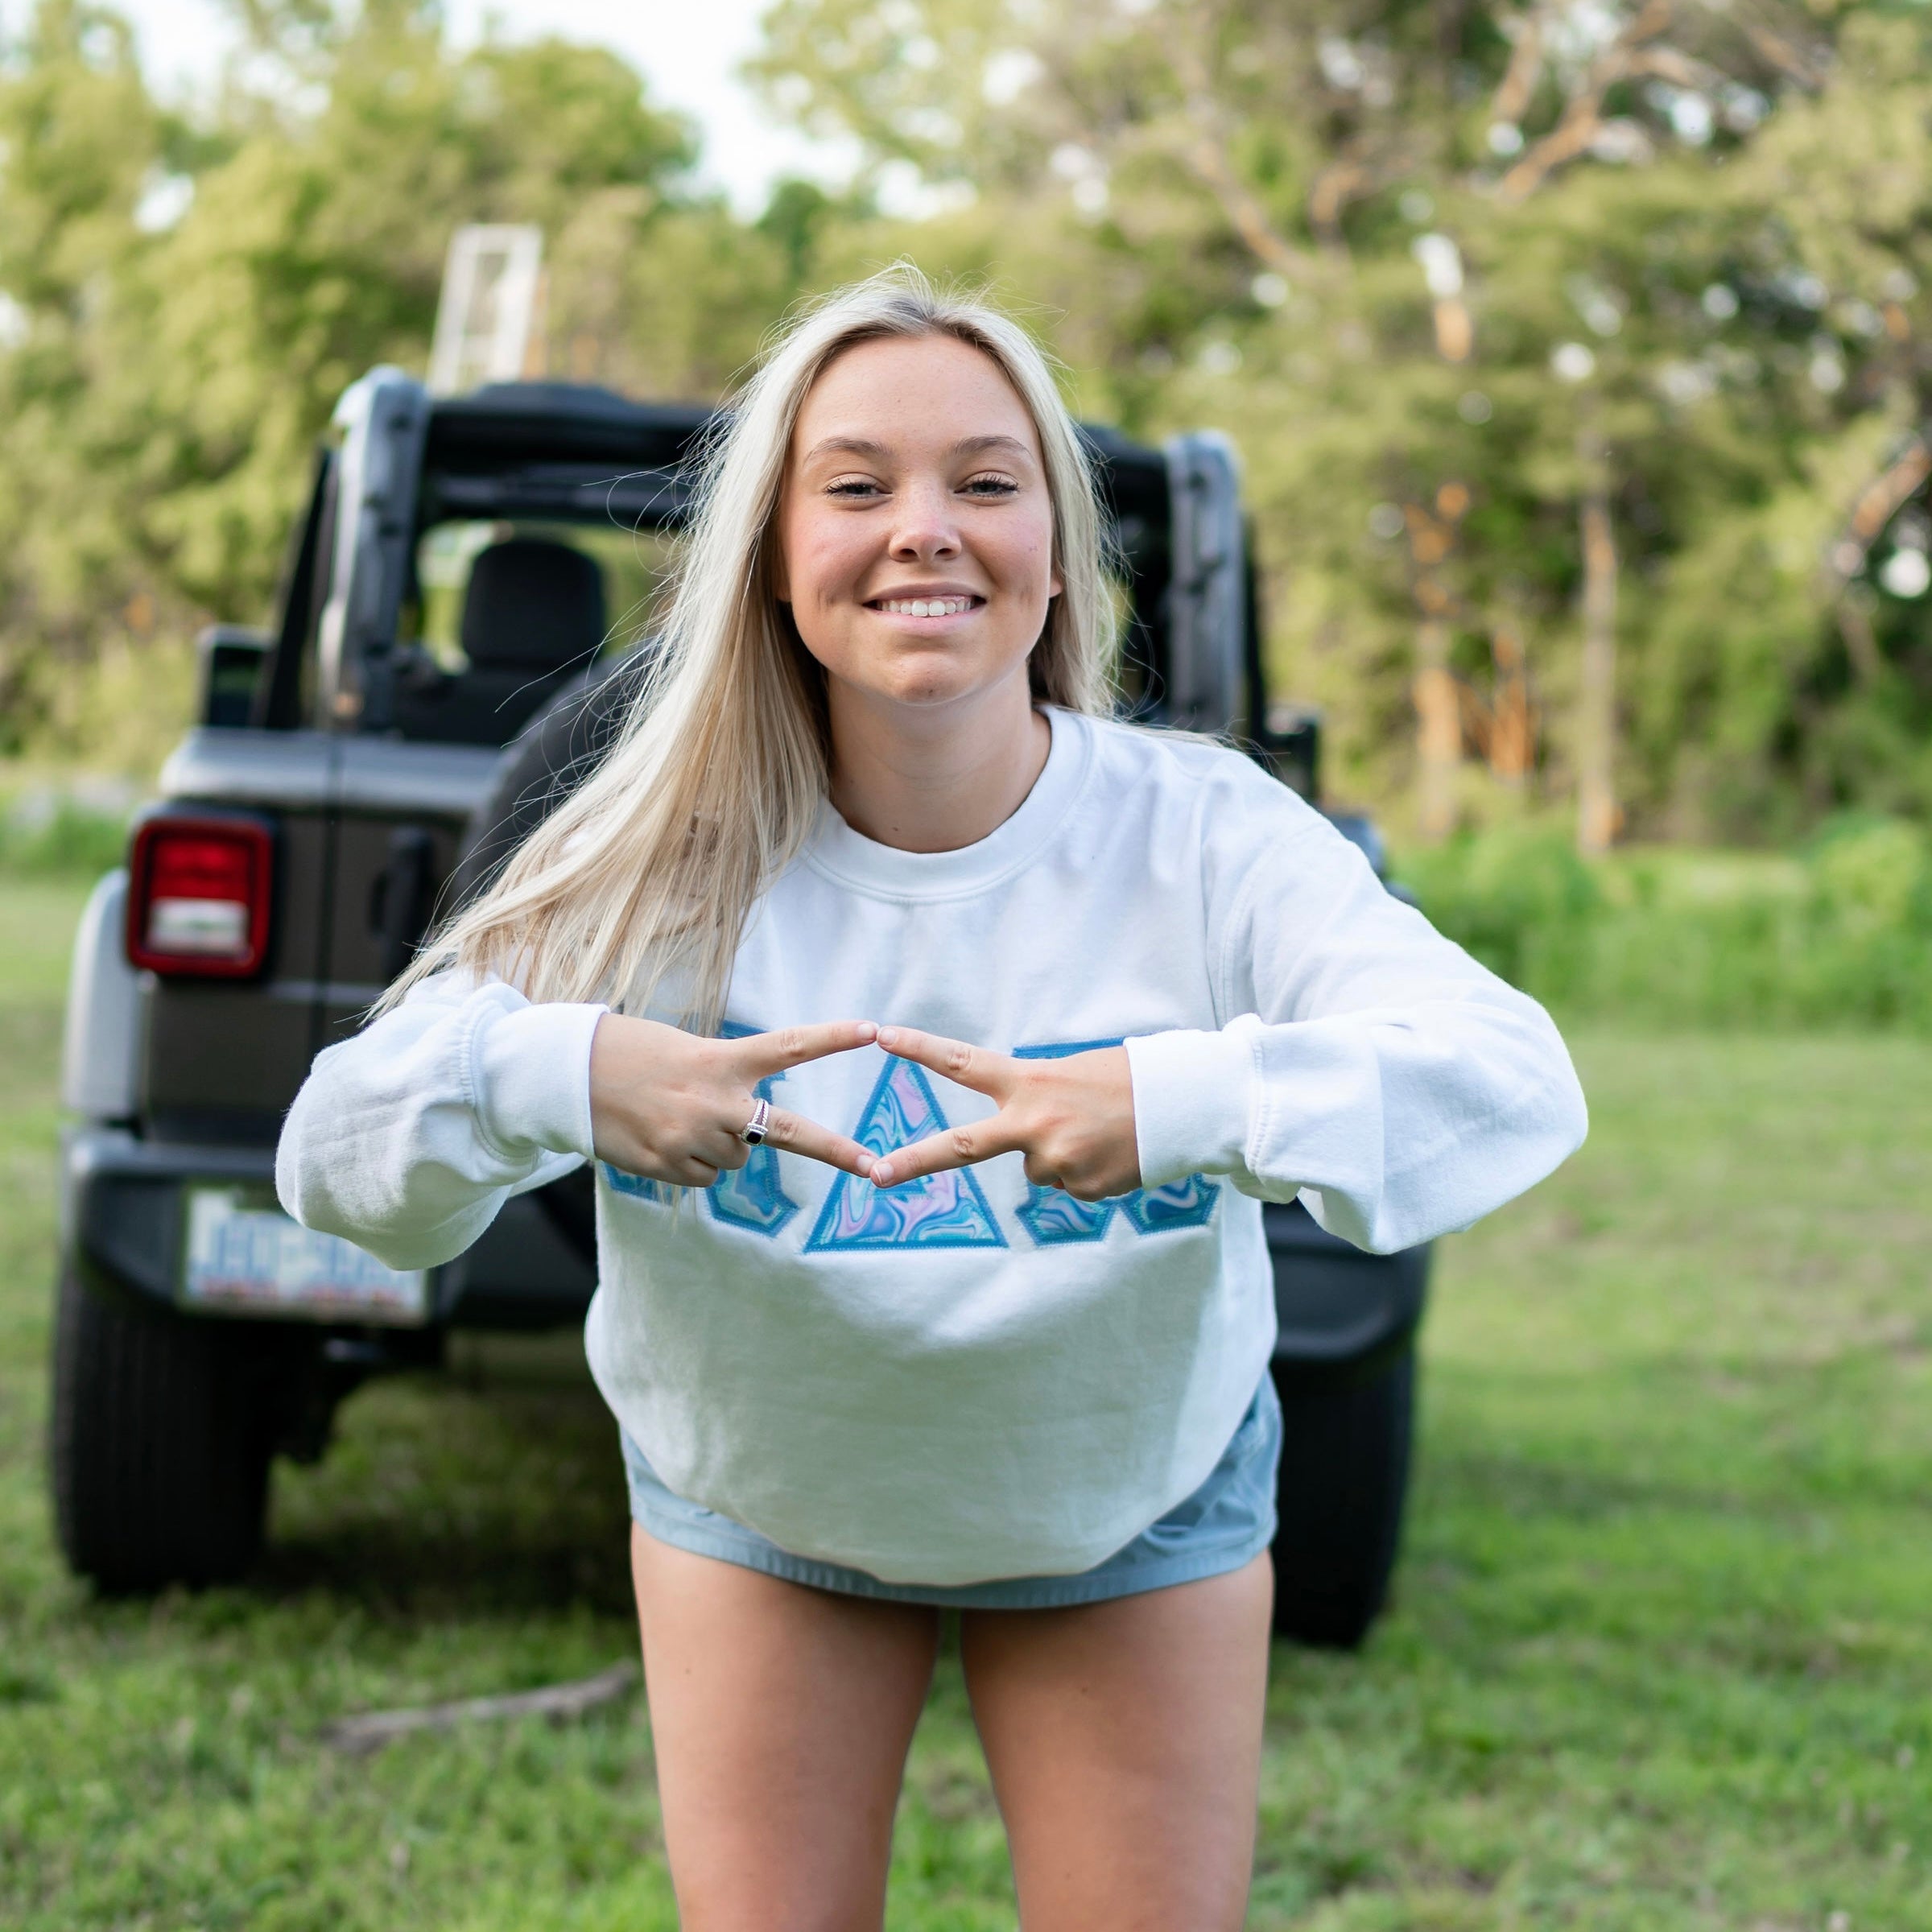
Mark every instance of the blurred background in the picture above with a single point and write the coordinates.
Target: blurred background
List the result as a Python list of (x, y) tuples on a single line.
[(1577, 354), (1574, 352)]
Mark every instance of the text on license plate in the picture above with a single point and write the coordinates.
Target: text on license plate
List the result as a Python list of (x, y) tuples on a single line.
[(243, 1252)]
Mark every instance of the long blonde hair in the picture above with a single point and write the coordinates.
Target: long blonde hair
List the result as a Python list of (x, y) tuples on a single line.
[(642, 881)]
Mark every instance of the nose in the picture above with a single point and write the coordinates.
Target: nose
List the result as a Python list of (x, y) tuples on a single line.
[(925, 530)]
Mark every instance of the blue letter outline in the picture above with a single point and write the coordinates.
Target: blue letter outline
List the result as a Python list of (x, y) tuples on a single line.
[(943, 1210), (751, 1197), (1053, 1218)]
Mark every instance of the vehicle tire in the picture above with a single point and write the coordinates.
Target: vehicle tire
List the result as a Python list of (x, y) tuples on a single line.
[(1343, 1478), (161, 1445)]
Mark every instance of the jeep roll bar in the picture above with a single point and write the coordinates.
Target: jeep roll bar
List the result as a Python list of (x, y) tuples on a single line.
[(384, 418), (569, 452)]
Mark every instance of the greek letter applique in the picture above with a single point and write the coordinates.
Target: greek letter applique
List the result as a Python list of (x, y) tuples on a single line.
[(944, 1210), (640, 1188), (1183, 1204), (1051, 1217), (749, 1196)]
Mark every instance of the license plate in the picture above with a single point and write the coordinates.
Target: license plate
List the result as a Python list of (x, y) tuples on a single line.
[(244, 1252)]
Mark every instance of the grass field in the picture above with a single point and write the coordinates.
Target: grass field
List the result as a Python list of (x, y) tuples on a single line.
[(1661, 1658)]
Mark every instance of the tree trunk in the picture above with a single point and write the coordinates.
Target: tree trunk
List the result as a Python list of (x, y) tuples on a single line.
[(1597, 815), (1439, 736), (1861, 640), (1439, 708), (1511, 723)]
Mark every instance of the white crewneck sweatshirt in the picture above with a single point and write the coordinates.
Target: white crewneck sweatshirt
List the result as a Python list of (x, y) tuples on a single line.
[(968, 1377)]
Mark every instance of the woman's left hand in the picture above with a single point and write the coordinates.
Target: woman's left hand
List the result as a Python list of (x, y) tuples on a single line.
[(1071, 1117)]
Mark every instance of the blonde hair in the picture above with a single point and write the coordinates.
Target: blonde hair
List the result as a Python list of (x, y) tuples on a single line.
[(642, 881)]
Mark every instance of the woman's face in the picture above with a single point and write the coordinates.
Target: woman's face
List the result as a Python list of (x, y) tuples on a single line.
[(915, 533)]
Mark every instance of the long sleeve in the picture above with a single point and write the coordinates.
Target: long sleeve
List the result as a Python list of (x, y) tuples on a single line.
[(1364, 1061), (408, 1138)]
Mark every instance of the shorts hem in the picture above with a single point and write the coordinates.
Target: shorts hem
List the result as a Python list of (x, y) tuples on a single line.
[(1008, 1593)]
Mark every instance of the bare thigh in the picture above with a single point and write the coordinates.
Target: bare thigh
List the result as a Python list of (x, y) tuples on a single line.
[(781, 1717), (1125, 1740)]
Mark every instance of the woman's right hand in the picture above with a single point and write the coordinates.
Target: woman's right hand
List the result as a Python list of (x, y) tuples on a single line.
[(669, 1105)]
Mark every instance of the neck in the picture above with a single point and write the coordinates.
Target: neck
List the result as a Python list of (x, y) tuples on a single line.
[(933, 778)]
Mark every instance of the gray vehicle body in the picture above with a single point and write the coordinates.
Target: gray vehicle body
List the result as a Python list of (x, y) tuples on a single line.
[(315, 730)]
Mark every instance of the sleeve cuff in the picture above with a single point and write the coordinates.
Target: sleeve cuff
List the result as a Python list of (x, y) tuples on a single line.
[(532, 1070), (1191, 1097)]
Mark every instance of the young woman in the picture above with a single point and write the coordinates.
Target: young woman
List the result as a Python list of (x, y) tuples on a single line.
[(984, 1023)]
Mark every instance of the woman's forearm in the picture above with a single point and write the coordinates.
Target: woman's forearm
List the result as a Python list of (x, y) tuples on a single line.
[(408, 1138)]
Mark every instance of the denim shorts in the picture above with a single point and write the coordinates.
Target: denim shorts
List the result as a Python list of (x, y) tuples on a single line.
[(1226, 1523)]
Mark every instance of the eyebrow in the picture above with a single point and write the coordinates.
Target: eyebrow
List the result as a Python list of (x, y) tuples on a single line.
[(863, 446)]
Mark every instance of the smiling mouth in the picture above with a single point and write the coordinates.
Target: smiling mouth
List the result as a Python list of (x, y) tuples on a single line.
[(924, 607)]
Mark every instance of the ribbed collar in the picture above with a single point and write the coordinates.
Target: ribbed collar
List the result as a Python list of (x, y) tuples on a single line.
[(885, 872)]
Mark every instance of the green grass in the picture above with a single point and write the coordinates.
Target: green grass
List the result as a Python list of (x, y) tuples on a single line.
[(1661, 1657), (1835, 937)]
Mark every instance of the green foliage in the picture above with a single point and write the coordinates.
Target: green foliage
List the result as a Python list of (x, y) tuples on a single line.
[(1519, 898), (1224, 198), (1212, 209), (59, 836), (184, 301), (1658, 1661), (1839, 936)]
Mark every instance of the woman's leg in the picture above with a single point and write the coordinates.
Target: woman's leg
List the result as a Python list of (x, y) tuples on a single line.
[(781, 1717), (1124, 1739)]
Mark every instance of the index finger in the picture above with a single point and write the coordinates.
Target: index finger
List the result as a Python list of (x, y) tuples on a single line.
[(956, 1147), (760, 1054), (974, 1066), (796, 1134)]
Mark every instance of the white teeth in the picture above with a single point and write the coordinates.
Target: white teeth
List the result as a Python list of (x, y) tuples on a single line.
[(926, 607)]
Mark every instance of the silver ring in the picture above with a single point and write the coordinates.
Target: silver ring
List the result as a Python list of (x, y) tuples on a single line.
[(755, 1129)]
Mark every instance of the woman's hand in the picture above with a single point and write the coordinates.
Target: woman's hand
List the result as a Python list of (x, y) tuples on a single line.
[(670, 1106), (1072, 1118)]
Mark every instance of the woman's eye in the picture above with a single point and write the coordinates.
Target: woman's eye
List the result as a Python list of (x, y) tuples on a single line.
[(852, 486), (991, 486)]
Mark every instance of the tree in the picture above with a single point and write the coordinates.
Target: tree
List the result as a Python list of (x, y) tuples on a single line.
[(80, 135), (1404, 248), (182, 304)]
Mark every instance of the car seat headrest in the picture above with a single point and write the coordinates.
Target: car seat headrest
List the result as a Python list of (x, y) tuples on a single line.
[(533, 605)]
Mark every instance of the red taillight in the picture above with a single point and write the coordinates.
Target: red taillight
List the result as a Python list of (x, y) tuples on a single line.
[(197, 902)]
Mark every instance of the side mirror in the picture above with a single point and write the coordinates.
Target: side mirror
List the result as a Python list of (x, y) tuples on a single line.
[(233, 659), (1288, 740)]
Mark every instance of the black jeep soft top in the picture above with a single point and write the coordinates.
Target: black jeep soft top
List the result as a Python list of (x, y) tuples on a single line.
[(446, 659)]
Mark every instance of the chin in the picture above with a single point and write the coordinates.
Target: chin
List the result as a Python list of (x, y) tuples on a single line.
[(927, 694), (926, 679)]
